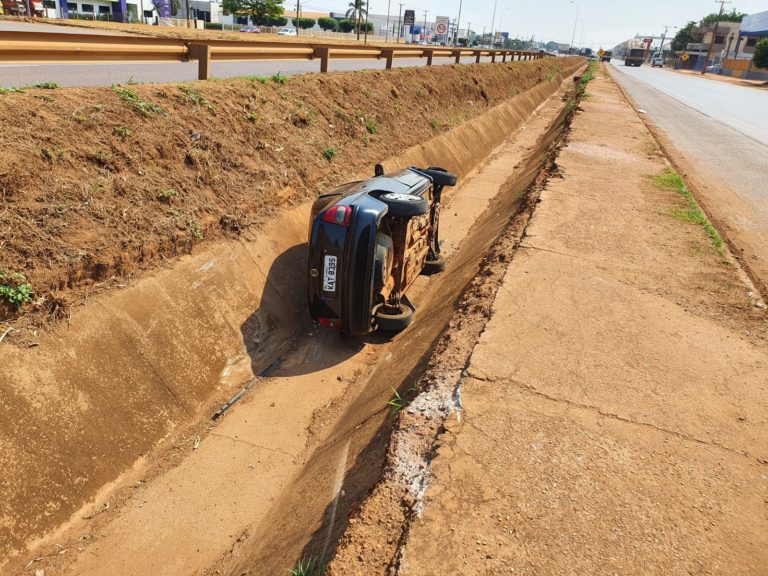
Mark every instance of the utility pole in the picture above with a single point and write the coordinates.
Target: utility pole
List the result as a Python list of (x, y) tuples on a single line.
[(576, 21), (663, 37), (187, 10), (297, 18), (714, 33), (386, 34), (493, 20), (458, 21), (425, 24), (469, 27), (367, 9), (400, 22)]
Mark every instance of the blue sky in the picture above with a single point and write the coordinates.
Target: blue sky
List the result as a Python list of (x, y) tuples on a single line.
[(604, 23)]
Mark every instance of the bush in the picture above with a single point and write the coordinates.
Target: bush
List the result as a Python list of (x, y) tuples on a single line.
[(760, 59), (213, 26), (346, 25), (327, 23), (304, 23), (277, 22)]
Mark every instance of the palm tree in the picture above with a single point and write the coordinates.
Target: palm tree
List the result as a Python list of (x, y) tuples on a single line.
[(357, 12)]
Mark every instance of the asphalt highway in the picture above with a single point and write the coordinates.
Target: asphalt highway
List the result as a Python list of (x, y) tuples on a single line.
[(743, 108)]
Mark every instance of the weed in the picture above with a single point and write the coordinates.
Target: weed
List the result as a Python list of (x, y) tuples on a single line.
[(141, 106), (132, 82), (121, 132), (371, 126), (435, 123), (54, 154), (46, 85), (194, 229), (12, 89), (397, 403), (252, 116), (329, 154), (46, 98), (308, 567), (279, 78), (367, 93), (670, 180), (261, 79), (194, 96), (14, 289), (166, 195)]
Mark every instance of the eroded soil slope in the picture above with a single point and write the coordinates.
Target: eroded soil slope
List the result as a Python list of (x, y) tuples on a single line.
[(97, 183)]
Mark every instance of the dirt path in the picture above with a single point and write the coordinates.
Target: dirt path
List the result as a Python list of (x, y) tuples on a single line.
[(614, 409), (262, 482)]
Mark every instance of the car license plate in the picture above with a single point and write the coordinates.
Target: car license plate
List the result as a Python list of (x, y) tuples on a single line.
[(329, 273)]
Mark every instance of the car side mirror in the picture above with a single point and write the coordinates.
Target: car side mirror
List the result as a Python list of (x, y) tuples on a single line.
[(378, 170)]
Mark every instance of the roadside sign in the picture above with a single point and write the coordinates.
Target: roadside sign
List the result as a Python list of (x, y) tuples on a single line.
[(409, 17), (601, 52), (441, 25), (684, 57)]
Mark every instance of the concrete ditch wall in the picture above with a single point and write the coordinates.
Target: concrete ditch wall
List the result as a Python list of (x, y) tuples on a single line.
[(102, 390)]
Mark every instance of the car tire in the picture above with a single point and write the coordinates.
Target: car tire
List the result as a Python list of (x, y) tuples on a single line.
[(394, 319), (441, 176), (433, 266), (405, 204)]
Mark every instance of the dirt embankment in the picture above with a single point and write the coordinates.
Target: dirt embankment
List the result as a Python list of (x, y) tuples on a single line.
[(99, 183)]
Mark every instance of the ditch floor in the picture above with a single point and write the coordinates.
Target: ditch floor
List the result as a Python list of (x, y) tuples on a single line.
[(611, 416)]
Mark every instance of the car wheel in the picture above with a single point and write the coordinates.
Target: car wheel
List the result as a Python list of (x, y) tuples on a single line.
[(394, 319), (433, 266), (441, 176), (405, 204)]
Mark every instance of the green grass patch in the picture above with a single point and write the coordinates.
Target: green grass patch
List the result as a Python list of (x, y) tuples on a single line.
[(12, 90), (259, 79), (46, 85), (131, 97), (308, 567), (691, 212), (371, 126), (279, 78), (195, 97), (14, 289), (329, 154)]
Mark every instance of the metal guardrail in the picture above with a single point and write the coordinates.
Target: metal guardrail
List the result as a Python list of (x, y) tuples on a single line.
[(25, 47)]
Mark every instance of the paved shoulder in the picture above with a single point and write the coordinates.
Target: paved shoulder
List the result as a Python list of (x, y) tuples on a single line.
[(614, 415)]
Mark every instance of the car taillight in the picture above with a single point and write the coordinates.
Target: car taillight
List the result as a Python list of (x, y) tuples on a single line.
[(330, 322), (338, 215)]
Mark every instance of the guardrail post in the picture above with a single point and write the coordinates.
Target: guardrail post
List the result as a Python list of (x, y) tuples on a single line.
[(429, 54), (493, 57), (324, 53), (504, 56), (389, 54), (201, 53), (457, 56), (477, 56)]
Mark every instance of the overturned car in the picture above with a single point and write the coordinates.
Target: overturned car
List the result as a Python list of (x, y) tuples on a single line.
[(368, 242)]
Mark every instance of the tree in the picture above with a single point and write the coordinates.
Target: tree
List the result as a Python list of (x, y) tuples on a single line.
[(276, 22), (731, 16), (685, 36), (760, 58), (327, 23), (462, 42), (551, 46), (304, 23), (357, 13), (346, 25), (261, 12)]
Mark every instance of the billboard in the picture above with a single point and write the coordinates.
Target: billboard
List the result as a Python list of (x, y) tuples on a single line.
[(409, 18)]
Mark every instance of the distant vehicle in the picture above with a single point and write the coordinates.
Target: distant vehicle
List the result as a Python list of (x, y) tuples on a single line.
[(635, 57), (368, 242), (251, 29), (657, 61), (287, 32), (607, 55)]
